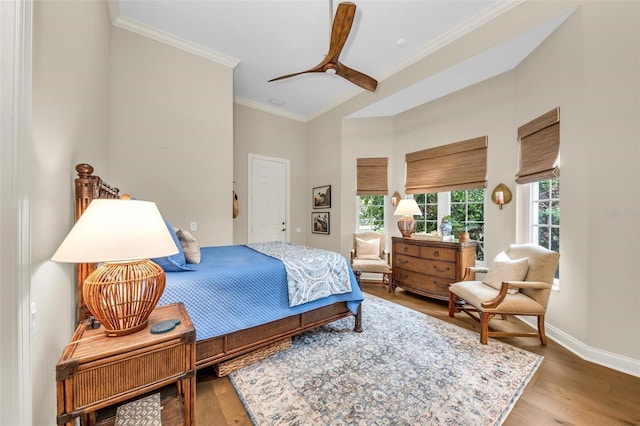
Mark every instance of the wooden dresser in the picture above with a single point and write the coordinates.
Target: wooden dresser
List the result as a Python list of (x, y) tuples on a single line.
[(429, 267)]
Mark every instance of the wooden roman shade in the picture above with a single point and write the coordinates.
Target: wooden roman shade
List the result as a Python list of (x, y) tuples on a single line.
[(372, 176), (540, 148), (460, 165)]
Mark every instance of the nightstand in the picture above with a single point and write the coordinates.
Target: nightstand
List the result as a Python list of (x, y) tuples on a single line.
[(96, 371)]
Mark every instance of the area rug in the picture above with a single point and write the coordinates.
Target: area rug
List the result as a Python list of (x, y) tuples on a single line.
[(405, 368)]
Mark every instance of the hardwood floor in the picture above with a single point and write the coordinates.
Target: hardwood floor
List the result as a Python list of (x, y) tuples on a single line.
[(565, 390)]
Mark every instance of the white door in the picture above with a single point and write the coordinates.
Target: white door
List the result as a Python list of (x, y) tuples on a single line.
[(268, 199)]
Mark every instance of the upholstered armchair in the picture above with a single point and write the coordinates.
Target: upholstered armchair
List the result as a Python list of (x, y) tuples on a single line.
[(369, 254), (518, 282)]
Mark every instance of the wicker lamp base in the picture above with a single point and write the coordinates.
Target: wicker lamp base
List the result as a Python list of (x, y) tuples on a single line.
[(121, 295)]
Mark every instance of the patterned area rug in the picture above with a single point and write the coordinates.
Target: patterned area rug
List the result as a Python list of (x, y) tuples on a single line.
[(405, 368)]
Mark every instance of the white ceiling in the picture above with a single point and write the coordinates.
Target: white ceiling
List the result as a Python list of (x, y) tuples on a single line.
[(264, 39)]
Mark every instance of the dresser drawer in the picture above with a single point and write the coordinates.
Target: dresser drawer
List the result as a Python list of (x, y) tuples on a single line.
[(426, 266), (429, 267), (438, 253), (408, 249), (422, 284)]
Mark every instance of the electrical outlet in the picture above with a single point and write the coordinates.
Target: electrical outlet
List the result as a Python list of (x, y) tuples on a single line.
[(34, 316), (194, 226)]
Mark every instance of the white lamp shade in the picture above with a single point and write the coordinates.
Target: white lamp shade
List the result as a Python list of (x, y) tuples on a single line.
[(407, 207), (115, 230)]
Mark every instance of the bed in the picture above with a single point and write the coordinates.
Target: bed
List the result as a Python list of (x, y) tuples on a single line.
[(228, 326)]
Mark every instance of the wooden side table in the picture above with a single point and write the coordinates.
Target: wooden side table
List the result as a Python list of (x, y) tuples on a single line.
[(96, 371)]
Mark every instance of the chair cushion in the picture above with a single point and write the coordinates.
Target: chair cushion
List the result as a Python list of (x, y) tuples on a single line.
[(476, 292), (505, 269), (366, 265), (368, 249)]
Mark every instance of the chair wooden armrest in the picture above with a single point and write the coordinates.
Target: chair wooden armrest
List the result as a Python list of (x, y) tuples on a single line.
[(535, 285), (472, 270), (352, 253), (506, 285), (387, 255)]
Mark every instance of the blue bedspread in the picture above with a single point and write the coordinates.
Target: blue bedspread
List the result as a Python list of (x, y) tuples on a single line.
[(235, 287)]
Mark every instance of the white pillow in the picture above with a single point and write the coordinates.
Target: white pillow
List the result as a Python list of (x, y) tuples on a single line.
[(368, 249), (505, 269)]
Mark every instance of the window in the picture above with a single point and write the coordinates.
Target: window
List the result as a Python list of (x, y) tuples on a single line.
[(371, 213), (466, 207), (545, 215), (428, 204), (467, 210)]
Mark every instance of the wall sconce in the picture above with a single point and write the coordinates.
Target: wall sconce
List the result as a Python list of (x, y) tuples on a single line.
[(501, 195), (395, 199)]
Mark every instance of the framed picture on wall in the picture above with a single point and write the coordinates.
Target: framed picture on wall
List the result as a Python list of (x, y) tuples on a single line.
[(322, 197), (320, 223)]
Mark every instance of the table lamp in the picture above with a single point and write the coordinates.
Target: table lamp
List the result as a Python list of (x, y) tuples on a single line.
[(407, 208), (122, 235)]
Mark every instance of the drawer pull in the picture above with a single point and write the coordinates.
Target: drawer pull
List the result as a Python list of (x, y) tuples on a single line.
[(403, 276), (402, 261), (436, 253), (447, 269), (405, 249)]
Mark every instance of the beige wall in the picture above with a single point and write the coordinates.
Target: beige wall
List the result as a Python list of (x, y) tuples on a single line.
[(172, 133), (70, 125), (264, 134)]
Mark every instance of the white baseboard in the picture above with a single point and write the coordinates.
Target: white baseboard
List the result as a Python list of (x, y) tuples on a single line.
[(607, 359)]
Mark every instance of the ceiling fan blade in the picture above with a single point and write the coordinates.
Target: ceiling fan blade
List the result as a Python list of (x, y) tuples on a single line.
[(340, 31), (356, 77), (319, 68)]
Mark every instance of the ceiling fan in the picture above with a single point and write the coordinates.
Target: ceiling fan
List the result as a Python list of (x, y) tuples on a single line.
[(331, 63)]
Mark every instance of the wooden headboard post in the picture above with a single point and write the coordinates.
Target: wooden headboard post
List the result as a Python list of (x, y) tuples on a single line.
[(87, 188)]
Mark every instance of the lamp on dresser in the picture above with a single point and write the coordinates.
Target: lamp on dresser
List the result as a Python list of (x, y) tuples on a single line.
[(407, 208), (123, 235)]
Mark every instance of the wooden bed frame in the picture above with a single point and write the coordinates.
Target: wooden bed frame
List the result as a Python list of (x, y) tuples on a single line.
[(215, 349)]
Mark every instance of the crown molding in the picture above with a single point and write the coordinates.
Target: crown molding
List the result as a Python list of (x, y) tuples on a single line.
[(174, 41), (270, 109)]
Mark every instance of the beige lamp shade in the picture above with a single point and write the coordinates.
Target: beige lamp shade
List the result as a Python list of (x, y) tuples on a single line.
[(112, 230), (123, 291), (407, 208)]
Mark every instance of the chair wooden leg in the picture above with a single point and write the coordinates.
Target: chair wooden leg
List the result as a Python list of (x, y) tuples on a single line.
[(543, 336), (484, 327), (386, 278), (452, 305)]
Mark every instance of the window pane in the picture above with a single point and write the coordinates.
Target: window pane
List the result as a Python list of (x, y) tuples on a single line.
[(432, 212), (428, 204), (467, 211), (458, 196), (543, 189), (371, 217), (543, 213), (543, 236), (555, 213)]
